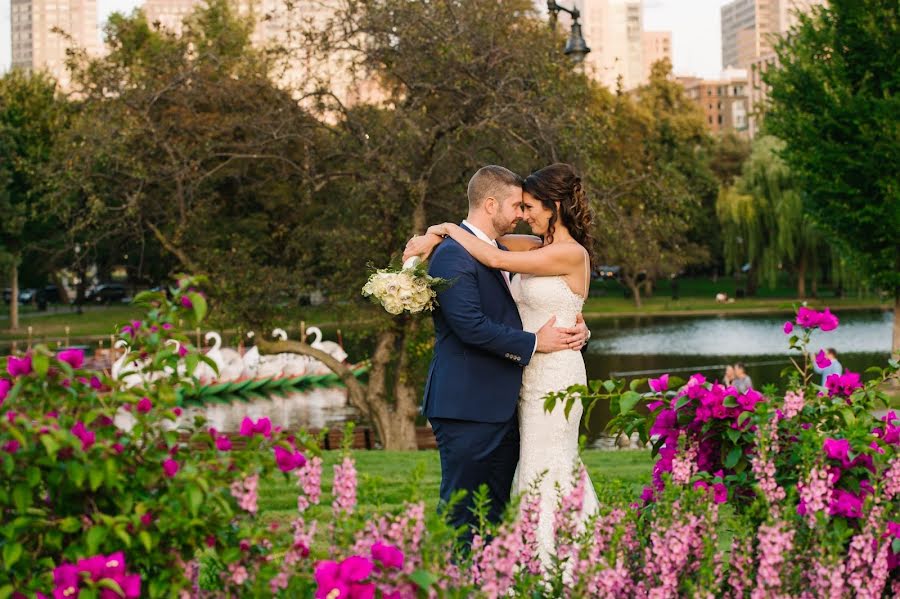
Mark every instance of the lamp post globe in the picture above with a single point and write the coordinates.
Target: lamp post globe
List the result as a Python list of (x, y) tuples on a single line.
[(576, 47)]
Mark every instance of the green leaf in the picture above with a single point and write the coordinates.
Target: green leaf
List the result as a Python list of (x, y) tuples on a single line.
[(195, 498), (895, 545), (609, 386), (70, 524), (423, 579), (628, 400), (50, 445), (682, 401), (123, 535), (742, 417), (199, 303), (112, 585), (730, 401), (40, 363), (146, 540), (11, 554), (733, 435), (6, 591), (95, 478), (848, 416), (733, 457), (76, 473), (33, 476), (96, 535), (22, 497)]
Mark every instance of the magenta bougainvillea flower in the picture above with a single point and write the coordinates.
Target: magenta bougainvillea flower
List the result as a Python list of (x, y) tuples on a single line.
[(18, 366), (661, 384), (68, 577), (788, 328), (87, 437), (186, 302), (388, 556), (5, 386), (72, 357), (170, 467), (263, 427), (345, 577), (223, 443), (822, 360), (810, 319), (843, 384), (287, 460), (144, 405)]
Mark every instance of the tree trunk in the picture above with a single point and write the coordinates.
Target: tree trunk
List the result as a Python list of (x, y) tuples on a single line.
[(635, 288), (752, 283), (14, 294), (648, 287), (801, 278), (391, 405), (895, 345)]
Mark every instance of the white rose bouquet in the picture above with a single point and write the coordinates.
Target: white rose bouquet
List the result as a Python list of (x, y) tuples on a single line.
[(406, 288)]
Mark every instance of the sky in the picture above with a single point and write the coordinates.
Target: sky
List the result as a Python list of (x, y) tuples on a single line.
[(694, 25)]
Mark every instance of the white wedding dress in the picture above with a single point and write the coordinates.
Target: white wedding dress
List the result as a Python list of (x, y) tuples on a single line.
[(549, 441)]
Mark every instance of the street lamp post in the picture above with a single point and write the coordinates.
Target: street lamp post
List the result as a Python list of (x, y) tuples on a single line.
[(576, 47)]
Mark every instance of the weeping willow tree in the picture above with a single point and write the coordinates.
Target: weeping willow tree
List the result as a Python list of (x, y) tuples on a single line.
[(764, 224)]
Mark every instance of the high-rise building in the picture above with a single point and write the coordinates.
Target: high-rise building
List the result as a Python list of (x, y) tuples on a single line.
[(657, 46), (614, 31), (723, 100), (750, 28), (36, 45), (750, 31)]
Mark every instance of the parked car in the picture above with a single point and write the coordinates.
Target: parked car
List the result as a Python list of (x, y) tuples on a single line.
[(106, 293), (26, 296)]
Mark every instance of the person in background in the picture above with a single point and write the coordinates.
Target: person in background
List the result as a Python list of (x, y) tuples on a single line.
[(834, 367), (728, 379), (742, 381)]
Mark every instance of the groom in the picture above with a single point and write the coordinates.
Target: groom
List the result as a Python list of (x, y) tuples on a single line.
[(480, 350)]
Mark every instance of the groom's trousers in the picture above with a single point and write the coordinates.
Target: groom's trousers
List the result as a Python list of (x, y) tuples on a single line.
[(475, 454)]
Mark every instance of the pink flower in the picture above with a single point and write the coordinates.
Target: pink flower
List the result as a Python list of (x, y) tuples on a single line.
[(788, 328), (186, 302), (96, 384), (11, 446), (845, 503), (263, 426), (210, 541), (182, 350), (87, 437), (177, 411), (147, 519), (345, 577), (837, 449), (843, 384), (720, 493), (118, 448), (388, 555), (144, 405), (5, 386), (170, 467), (223, 443), (66, 579), (166, 326), (19, 366), (822, 360), (810, 319), (288, 460), (661, 384), (72, 357)]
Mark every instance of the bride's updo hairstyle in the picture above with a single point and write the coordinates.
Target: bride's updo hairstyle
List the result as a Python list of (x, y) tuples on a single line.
[(560, 183)]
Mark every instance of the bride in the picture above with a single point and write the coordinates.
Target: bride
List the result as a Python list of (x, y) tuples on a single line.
[(555, 277)]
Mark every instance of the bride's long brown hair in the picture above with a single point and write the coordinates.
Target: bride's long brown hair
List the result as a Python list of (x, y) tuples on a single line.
[(560, 183)]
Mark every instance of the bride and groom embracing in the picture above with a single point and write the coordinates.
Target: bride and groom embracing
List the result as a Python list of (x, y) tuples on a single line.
[(508, 332)]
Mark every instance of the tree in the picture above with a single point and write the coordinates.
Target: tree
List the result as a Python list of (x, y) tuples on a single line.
[(834, 101), (31, 116), (651, 172), (764, 223)]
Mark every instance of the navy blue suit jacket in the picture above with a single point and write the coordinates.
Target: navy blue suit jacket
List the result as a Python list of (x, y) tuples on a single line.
[(480, 348)]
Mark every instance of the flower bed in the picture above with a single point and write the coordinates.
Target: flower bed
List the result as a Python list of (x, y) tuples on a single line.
[(807, 481)]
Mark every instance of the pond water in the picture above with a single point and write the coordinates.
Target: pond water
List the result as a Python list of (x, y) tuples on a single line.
[(634, 347)]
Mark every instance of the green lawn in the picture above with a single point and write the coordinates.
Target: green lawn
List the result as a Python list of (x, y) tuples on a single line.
[(49, 327), (388, 479)]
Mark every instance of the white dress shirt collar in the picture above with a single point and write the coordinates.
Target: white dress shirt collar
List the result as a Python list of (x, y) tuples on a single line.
[(479, 233)]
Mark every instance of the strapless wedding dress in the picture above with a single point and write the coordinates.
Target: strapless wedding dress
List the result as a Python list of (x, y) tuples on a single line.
[(549, 440)]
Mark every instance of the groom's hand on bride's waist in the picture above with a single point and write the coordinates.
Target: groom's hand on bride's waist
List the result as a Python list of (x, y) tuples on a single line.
[(551, 338)]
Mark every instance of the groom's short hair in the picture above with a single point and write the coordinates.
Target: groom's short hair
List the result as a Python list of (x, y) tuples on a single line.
[(488, 182)]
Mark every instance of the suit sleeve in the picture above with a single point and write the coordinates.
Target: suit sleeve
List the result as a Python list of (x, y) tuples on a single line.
[(461, 307)]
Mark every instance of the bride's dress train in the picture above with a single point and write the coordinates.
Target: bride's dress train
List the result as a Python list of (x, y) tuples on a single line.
[(549, 441)]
